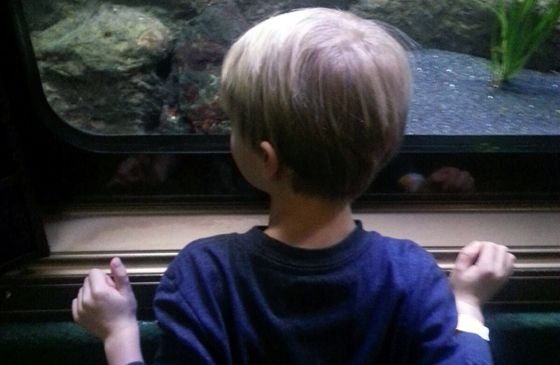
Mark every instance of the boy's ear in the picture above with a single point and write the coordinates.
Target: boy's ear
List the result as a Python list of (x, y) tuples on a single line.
[(270, 160)]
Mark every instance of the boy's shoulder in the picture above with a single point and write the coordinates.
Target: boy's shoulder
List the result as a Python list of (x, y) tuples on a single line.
[(406, 258), (211, 253), (215, 242), (201, 261), (230, 253), (211, 246), (405, 251), (399, 249)]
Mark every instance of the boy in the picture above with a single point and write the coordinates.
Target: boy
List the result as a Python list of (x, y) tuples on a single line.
[(318, 100)]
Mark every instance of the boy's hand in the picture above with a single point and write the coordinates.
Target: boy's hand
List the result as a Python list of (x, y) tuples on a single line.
[(480, 271), (104, 306)]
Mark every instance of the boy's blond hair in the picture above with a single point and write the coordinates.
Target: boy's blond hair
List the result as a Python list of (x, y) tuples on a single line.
[(328, 89)]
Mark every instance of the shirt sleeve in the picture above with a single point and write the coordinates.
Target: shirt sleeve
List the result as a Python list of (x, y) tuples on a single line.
[(434, 324), (185, 338), (475, 346)]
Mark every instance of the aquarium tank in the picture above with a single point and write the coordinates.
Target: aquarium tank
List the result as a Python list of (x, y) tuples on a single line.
[(116, 101), (145, 67)]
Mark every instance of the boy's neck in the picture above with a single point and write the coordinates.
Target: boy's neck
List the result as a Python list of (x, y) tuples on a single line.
[(308, 222)]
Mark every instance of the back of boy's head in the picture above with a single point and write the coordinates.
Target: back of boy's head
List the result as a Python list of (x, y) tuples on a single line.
[(327, 89)]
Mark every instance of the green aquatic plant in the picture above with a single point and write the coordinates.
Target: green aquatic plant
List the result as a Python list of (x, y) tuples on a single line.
[(522, 27)]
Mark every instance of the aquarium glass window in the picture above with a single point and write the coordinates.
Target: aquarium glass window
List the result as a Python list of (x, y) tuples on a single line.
[(139, 67)]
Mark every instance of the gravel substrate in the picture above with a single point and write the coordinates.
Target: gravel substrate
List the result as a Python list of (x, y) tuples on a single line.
[(453, 96)]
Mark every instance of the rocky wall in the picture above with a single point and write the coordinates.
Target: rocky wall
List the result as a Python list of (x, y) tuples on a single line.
[(455, 25)]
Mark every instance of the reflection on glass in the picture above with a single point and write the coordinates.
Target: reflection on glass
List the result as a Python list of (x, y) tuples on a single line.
[(152, 67)]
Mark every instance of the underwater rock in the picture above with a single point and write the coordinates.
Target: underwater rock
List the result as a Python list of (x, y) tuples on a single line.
[(455, 25), (102, 57), (220, 22), (174, 8), (174, 14), (257, 10), (108, 39), (41, 14), (106, 106), (192, 87)]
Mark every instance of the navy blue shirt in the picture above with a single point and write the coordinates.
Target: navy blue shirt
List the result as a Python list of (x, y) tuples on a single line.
[(249, 299)]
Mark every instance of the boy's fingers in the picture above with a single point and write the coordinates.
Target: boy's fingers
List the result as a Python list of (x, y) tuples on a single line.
[(75, 309), (86, 291), (467, 256), (97, 281), (120, 276), (501, 261), (110, 282), (80, 300), (509, 263), (463, 262), (473, 248), (487, 256)]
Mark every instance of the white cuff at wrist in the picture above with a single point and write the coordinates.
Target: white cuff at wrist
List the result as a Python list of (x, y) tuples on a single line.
[(466, 323)]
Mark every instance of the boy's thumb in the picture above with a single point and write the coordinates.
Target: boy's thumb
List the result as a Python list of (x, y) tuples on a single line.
[(120, 276), (467, 256)]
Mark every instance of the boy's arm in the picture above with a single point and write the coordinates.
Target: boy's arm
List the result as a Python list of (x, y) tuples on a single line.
[(106, 308), (480, 271)]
